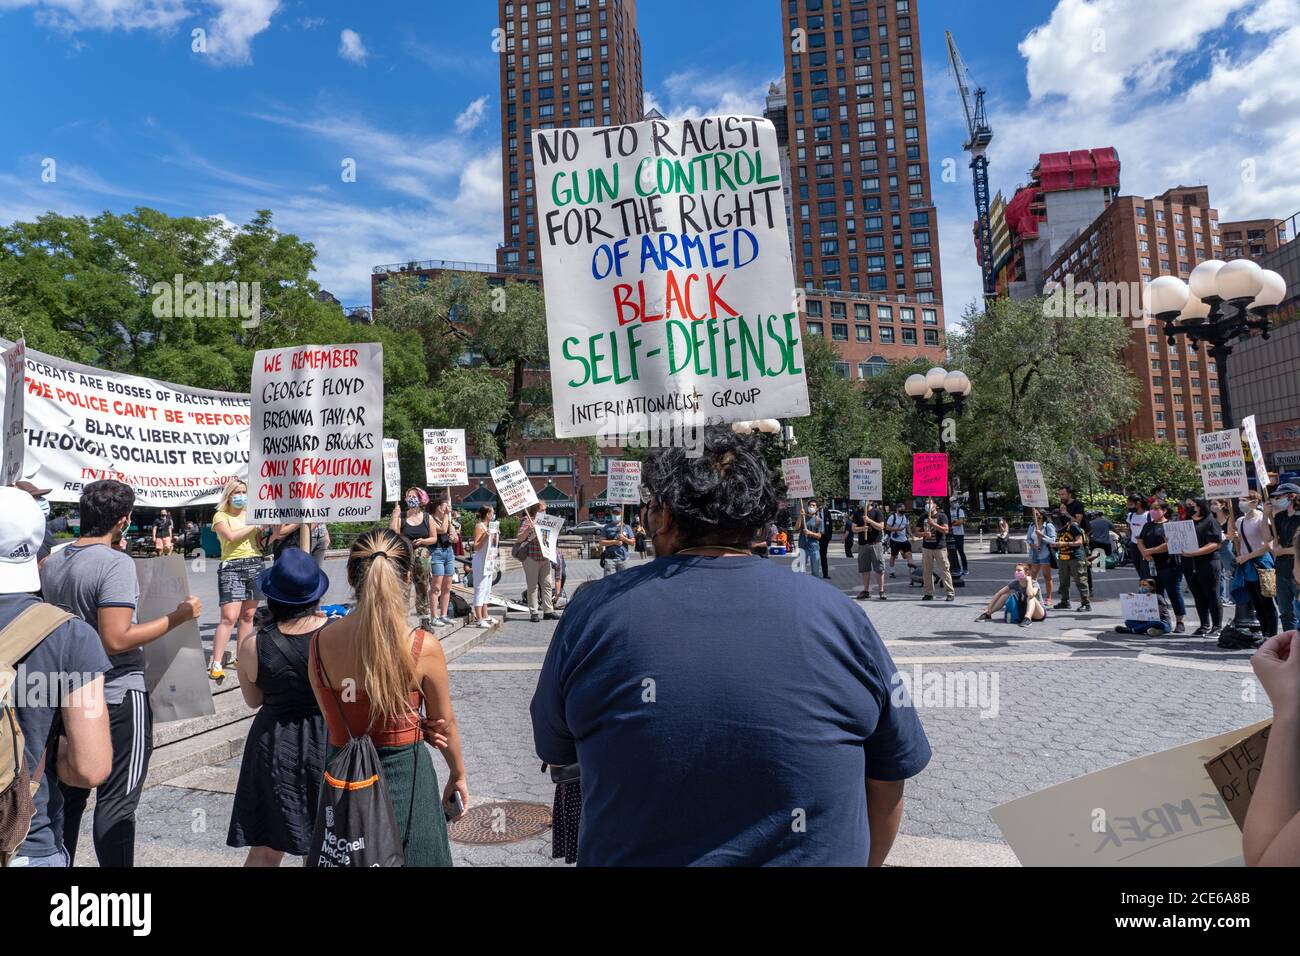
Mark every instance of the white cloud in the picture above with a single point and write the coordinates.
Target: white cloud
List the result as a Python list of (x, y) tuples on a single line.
[(473, 115), (230, 35), (351, 48), (691, 94)]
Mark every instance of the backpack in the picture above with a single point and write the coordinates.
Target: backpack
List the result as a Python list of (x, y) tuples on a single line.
[(18, 785), (355, 824), (1012, 611)]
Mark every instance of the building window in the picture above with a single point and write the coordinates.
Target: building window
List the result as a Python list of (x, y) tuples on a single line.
[(550, 465)]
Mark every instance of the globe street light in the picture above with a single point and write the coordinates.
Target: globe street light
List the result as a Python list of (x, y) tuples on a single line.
[(941, 393)]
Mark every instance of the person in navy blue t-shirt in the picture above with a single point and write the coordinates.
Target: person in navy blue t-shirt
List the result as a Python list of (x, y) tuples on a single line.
[(724, 711)]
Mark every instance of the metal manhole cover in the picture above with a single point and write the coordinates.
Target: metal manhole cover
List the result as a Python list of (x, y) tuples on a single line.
[(506, 821)]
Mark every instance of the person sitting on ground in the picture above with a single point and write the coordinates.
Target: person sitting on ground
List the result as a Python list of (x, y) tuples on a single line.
[(1164, 625), (1002, 543), (1021, 596)]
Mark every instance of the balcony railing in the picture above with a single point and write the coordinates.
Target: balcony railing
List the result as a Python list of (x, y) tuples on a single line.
[(446, 265)]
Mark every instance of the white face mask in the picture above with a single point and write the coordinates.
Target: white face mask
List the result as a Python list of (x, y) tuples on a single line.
[(1246, 506)]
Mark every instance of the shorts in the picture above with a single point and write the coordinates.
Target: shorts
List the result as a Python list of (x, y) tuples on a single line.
[(871, 557), (899, 547), (237, 581), (442, 562)]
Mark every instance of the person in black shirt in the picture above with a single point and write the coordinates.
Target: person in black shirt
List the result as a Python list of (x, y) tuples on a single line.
[(934, 553), (1285, 511), (1201, 567), (1168, 569), (1072, 560), (869, 525)]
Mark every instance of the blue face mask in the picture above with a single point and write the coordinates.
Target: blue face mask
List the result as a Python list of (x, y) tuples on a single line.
[(412, 502), (238, 501)]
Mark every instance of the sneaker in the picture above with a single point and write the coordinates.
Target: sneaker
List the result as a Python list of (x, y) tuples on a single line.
[(536, 618), (1085, 608), (986, 616), (1201, 631), (1026, 622), (1122, 629), (1155, 632), (863, 596), (1063, 606), (927, 597), (950, 598), (486, 623), (554, 615), (1214, 631), (893, 573), (217, 674), (882, 596), (1180, 628)]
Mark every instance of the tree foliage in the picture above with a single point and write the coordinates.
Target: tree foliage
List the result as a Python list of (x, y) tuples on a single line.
[(1146, 465)]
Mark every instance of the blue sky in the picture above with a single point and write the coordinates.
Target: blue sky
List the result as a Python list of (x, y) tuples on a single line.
[(1190, 91)]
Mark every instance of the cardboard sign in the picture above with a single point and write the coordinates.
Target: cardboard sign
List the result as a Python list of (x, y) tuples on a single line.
[(1160, 810), (1033, 486), (624, 483), (666, 258), (492, 550), (445, 465), (930, 475), (1223, 464), (11, 467), (514, 487), (1235, 772), (173, 445), (1251, 434), (798, 477), (548, 534), (392, 471), (1181, 536), (318, 434), (866, 479), (1139, 607), (175, 667)]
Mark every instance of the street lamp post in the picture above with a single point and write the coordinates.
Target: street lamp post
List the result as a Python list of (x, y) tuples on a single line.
[(942, 393)]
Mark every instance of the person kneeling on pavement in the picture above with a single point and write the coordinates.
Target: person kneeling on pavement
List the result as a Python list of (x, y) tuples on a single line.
[(1019, 601), (1150, 628)]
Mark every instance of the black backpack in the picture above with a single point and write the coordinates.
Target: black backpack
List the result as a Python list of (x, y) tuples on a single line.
[(355, 823)]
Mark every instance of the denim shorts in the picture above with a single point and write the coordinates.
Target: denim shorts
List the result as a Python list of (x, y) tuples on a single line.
[(237, 581), (442, 562)]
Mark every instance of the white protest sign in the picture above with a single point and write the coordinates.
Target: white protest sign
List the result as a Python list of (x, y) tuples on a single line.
[(512, 484), (318, 434), (1033, 487), (392, 471), (1139, 607), (445, 465), (1160, 810), (798, 477), (490, 554), (1251, 434), (1181, 536), (11, 468), (1223, 464), (175, 667), (548, 534), (172, 444), (866, 479), (624, 483), (666, 257)]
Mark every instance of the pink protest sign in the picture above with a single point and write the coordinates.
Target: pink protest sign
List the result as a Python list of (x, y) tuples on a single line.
[(930, 475)]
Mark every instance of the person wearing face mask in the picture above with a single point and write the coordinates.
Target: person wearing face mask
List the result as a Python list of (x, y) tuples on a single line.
[(1168, 568), (416, 526), (1156, 627), (1256, 571), (1201, 567), (1137, 517), (1285, 515), (1028, 607), (900, 538), (241, 563), (1227, 558), (812, 529)]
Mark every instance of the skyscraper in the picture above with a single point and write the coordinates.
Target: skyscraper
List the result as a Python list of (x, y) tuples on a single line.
[(571, 63)]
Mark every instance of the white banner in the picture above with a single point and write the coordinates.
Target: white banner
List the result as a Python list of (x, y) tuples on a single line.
[(1139, 607), (1251, 434), (1033, 487), (798, 477), (514, 487), (318, 434), (11, 468), (1181, 536), (445, 465), (866, 481), (175, 666), (392, 471), (1223, 464), (172, 444), (666, 257), (490, 555), (624, 483), (548, 534)]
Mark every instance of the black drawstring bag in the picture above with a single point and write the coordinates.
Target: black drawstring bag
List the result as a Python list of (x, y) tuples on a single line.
[(355, 823)]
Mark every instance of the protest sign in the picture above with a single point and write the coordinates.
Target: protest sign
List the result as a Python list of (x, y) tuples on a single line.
[(866, 481), (318, 434), (930, 475), (11, 467), (1251, 434), (445, 465), (798, 477), (172, 444), (1181, 536), (1033, 486), (175, 667), (514, 487), (666, 258), (491, 554), (548, 534), (1139, 607), (1159, 810), (624, 483), (1223, 464), (392, 471), (1235, 772)]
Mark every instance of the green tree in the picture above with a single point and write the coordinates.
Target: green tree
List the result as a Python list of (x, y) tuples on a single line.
[(1147, 465)]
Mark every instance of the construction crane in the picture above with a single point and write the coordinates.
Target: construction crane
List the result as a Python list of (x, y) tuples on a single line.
[(981, 134)]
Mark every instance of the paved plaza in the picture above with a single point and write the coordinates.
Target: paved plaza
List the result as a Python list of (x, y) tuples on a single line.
[(1062, 698)]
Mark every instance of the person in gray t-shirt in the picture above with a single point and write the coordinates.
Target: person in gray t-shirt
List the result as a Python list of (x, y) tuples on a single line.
[(97, 582)]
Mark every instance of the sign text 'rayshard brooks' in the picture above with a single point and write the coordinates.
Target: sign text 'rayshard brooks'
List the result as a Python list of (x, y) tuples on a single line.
[(669, 287)]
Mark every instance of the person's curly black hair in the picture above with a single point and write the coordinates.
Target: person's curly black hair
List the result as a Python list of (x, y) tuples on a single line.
[(727, 496)]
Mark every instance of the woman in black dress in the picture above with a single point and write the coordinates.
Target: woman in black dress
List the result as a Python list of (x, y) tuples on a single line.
[(284, 756)]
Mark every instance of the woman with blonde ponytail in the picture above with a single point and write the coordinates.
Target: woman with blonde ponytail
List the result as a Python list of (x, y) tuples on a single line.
[(370, 672)]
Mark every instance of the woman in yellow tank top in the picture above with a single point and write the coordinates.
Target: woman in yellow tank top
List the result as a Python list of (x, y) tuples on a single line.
[(241, 563)]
